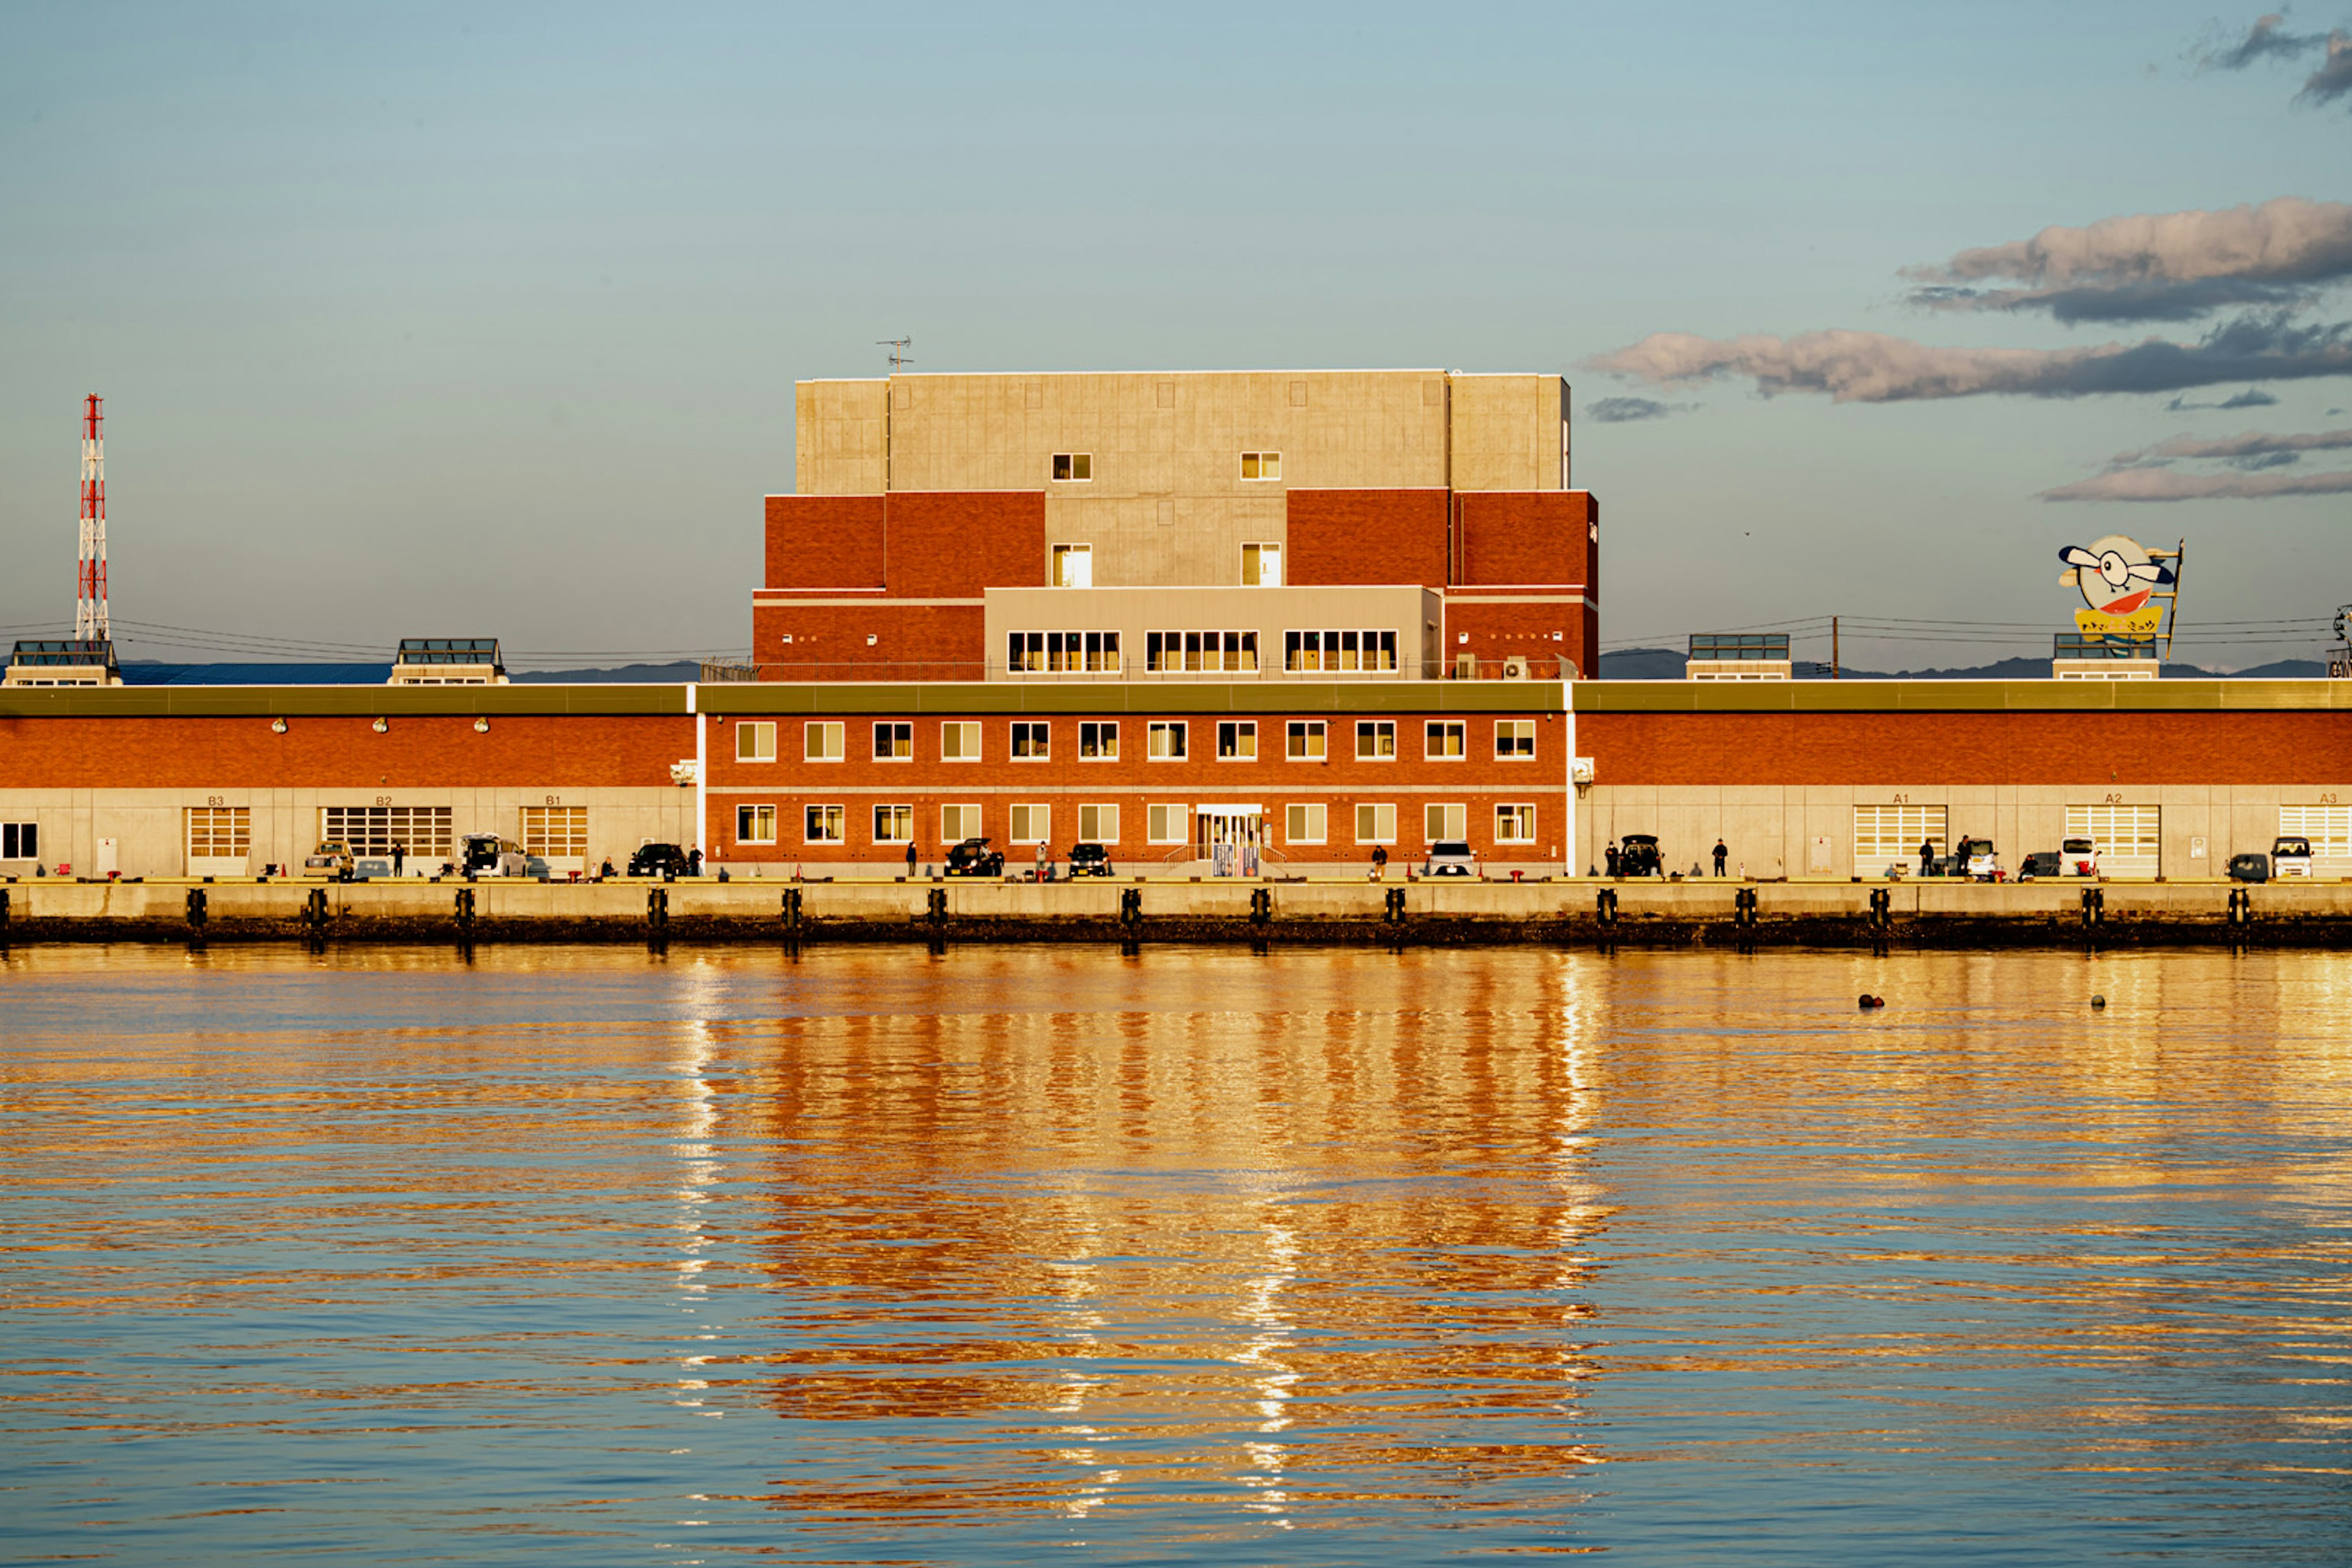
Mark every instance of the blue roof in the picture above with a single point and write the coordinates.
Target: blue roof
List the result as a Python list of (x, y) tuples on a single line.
[(142, 673)]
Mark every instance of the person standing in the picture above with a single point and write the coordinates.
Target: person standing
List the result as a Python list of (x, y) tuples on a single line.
[(1379, 862), (1041, 860), (910, 859), (1614, 860), (694, 861), (1927, 856), (1721, 855), (399, 855)]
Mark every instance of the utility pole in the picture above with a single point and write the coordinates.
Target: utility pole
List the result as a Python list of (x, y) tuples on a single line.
[(89, 588), (1836, 669), (898, 347)]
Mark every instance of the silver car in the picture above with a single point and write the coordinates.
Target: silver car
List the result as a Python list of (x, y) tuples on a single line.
[(1450, 859)]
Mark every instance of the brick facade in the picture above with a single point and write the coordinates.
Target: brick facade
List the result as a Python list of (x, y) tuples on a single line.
[(1366, 536)]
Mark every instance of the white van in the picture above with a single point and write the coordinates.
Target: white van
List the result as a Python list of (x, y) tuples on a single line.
[(487, 855)]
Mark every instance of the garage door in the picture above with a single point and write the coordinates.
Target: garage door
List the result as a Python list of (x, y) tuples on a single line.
[(423, 832), (2130, 837), (1887, 836), (558, 835), (220, 840), (2329, 829)]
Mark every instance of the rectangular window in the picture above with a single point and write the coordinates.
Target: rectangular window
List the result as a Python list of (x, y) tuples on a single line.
[(755, 742), (1514, 825), (1099, 742), (2329, 829), (423, 832), (1887, 836), (1340, 652), (1165, 824), (1515, 739), (1167, 743), (1062, 653), (1376, 824), (1261, 566), (2128, 837), (959, 740), (1446, 741), (1261, 465), (755, 825), (894, 825), (1302, 823), (1444, 823), (1237, 741), (894, 743), (1033, 825), (1098, 825), (824, 825), (218, 837), (1074, 468), (1031, 738), (1376, 739), (958, 822), (1073, 566), (1024, 652), (20, 840), (1307, 741), (555, 831), (824, 743), (1203, 653)]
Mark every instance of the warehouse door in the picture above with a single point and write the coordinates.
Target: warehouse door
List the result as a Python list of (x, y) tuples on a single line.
[(2128, 837), (422, 831), (1887, 836), (2329, 829), (558, 835), (219, 840)]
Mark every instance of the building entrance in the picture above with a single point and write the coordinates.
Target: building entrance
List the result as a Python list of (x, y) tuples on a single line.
[(1229, 837)]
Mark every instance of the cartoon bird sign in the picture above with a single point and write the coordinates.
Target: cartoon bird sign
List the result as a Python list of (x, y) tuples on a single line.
[(2117, 578)]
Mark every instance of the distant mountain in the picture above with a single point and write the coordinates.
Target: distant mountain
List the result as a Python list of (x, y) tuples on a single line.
[(676, 671), (1664, 664)]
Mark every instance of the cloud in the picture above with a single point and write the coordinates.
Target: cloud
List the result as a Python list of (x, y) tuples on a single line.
[(1625, 410), (2332, 79), (2155, 266), (2268, 36), (2165, 484), (2252, 444), (1872, 367), (2252, 397)]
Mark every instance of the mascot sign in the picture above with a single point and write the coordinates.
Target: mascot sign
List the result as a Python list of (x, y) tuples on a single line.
[(2124, 587)]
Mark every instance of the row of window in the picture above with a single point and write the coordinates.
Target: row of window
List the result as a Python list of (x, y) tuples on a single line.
[(1167, 740), (1306, 822), (1078, 467), (1203, 652)]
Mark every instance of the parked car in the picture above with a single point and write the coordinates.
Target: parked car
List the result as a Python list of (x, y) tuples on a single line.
[(1637, 855), (1450, 858), (2041, 863), (2290, 856), (2250, 868), (332, 860), (973, 857), (1089, 861), (1977, 860), (487, 855), (659, 860), (365, 870), (2080, 856)]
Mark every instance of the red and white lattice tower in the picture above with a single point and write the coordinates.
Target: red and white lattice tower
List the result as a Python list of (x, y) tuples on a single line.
[(89, 602)]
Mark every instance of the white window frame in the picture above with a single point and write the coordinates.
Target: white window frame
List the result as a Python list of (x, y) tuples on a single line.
[(900, 815), (824, 740), (1307, 741), (1436, 731), (1514, 730), (1383, 828), (1305, 822), (1104, 735), (816, 817), (1159, 815), (1239, 733), (1166, 730), (1036, 734), (1326, 651), (1071, 468), (1176, 653), (1103, 817), (1514, 822), (1257, 555), (966, 748), (1072, 565), (14, 836), (1369, 730), (755, 741), (958, 834), (1260, 468), (1456, 815), (1029, 821), (755, 817), (887, 737)]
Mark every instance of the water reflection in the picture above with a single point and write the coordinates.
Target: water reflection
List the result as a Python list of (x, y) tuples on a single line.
[(875, 1257)]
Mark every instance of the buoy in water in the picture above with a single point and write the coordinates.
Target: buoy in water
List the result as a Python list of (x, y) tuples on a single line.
[(1867, 1001), (2098, 1001)]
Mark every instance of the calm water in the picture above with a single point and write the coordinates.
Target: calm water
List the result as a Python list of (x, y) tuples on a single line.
[(587, 1256)]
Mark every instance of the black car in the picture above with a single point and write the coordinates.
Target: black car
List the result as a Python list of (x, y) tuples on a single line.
[(1089, 861), (973, 857), (659, 860), (1637, 855), (2250, 868), (2041, 863)]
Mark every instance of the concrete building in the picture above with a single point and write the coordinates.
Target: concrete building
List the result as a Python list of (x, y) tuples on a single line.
[(929, 507)]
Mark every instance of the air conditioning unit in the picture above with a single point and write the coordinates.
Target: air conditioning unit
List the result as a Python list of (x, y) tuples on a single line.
[(1516, 667), (684, 771), (1579, 770)]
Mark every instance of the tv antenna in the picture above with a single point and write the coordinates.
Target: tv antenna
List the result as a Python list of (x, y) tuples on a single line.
[(898, 347)]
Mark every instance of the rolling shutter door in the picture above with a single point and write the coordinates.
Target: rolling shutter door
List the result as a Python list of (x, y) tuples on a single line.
[(2130, 837), (1887, 836), (2329, 829), (220, 840)]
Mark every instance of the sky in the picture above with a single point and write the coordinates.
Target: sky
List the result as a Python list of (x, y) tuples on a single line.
[(461, 321)]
